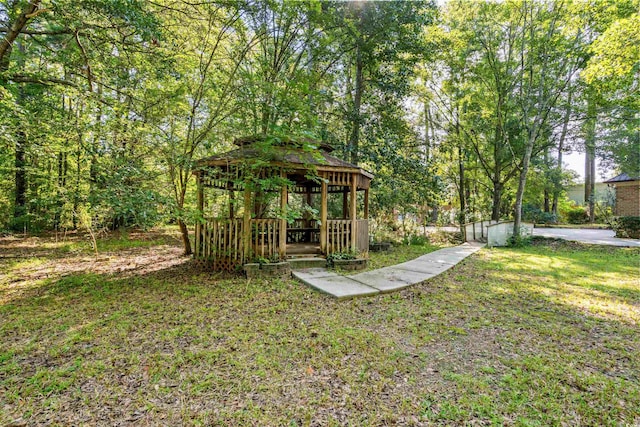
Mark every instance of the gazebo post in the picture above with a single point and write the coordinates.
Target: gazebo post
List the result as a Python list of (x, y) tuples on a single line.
[(323, 217), (344, 203), (354, 232), (232, 202), (282, 237), (246, 223), (201, 209), (366, 203), (308, 217)]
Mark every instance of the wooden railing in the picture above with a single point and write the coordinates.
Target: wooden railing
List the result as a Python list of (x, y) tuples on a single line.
[(221, 242), (338, 235), (264, 237), (362, 235)]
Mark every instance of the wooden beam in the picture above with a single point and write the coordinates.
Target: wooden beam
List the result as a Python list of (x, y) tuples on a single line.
[(232, 203), (246, 224), (345, 211), (354, 223), (307, 215), (282, 237), (323, 217), (201, 209), (366, 203)]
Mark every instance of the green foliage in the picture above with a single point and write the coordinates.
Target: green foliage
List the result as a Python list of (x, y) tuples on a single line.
[(344, 255), (519, 241), (415, 239), (536, 215), (575, 214), (627, 227)]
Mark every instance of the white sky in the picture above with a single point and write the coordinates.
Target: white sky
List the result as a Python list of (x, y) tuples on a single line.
[(575, 162)]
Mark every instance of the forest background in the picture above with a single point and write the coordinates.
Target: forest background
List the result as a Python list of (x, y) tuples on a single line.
[(106, 104)]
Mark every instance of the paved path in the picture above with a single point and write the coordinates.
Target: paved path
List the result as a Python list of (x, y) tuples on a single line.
[(386, 279), (600, 237)]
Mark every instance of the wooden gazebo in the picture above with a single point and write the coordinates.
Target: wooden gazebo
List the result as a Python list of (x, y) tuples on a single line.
[(249, 227)]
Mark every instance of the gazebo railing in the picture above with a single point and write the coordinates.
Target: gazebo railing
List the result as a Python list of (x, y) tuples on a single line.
[(220, 241), (362, 235), (264, 237), (338, 235)]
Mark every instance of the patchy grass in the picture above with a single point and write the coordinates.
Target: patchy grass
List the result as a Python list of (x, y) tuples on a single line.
[(541, 335)]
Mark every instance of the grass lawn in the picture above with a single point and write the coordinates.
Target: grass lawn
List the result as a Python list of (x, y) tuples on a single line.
[(542, 335)]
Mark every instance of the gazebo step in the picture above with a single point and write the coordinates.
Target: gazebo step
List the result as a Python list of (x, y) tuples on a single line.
[(308, 262)]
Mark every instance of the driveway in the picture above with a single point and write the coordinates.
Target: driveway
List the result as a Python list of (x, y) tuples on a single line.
[(600, 237)]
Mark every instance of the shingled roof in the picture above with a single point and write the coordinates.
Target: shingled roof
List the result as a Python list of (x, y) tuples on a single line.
[(283, 151), (623, 177)]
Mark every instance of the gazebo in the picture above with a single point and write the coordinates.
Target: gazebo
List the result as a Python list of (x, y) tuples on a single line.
[(263, 223)]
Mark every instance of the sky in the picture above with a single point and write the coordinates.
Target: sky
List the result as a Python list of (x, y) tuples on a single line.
[(575, 162)]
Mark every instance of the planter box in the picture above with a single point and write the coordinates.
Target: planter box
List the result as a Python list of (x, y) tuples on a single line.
[(380, 246), (260, 271), (350, 264)]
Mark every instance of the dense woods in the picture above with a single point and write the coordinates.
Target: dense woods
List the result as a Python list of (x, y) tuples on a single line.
[(106, 104)]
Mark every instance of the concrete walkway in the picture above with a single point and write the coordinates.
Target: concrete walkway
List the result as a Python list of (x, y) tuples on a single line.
[(386, 279), (599, 237)]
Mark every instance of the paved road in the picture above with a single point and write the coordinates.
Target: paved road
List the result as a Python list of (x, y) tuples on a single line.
[(600, 237)]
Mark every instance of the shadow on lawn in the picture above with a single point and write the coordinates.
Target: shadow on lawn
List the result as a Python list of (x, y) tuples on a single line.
[(213, 338)]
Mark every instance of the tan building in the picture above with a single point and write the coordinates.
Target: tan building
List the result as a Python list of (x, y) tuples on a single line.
[(627, 195)]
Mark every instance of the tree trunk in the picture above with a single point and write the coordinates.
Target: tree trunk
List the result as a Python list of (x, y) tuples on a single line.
[(184, 231), (547, 168), (16, 27), (522, 181), (590, 158), (427, 127), (497, 198), (461, 186), (20, 206), (558, 177), (357, 100)]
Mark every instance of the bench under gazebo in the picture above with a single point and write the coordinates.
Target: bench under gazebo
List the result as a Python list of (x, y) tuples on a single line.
[(248, 212)]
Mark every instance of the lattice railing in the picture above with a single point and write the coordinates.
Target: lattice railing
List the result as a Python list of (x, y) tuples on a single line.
[(220, 241)]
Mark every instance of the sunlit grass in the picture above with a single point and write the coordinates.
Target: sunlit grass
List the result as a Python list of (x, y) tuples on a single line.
[(526, 336)]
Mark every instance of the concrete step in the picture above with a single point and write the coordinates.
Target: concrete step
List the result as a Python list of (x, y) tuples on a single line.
[(309, 262)]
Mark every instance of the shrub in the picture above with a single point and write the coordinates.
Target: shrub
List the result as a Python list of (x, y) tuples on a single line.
[(415, 239), (577, 215), (627, 227), (340, 255), (532, 213)]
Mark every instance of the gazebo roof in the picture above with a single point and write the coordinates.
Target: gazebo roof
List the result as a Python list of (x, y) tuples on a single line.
[(283, 152)]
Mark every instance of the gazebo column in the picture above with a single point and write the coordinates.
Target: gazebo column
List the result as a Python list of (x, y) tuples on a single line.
[(366, 203), (354, 232), (201, 209), (307, 215), (232, 202), (246, 224), (323, 217), (345, 211), (282, 236)]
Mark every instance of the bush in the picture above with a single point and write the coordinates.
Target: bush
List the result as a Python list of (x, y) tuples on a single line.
[(627, 227), (415, 239), (341, 256), (532, 213), (577, 215)]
